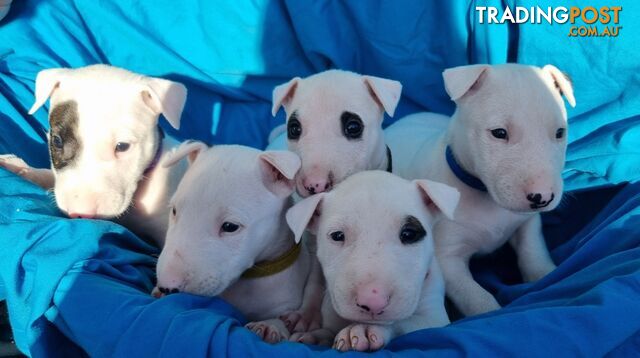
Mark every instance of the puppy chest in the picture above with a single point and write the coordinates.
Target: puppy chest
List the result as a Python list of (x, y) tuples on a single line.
[(268, 297), (480, 234)]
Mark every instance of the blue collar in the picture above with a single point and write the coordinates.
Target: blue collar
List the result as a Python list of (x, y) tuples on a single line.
[(462, 174)]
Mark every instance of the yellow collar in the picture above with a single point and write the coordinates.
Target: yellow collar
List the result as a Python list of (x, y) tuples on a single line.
[(268, 268)]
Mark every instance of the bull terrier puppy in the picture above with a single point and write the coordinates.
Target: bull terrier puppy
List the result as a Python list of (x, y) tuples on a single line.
[(376, 249), (105, 144), (334, 123), (504, 150), (227, 234)]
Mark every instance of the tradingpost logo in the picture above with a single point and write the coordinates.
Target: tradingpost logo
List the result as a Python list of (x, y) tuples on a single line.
[(588, 21)]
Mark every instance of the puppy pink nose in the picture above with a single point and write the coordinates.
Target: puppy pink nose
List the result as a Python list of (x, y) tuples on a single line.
[(86, 211), (372, 298), (83, 207), (169, 282), (83, 215), (171, 277), (317, 184)]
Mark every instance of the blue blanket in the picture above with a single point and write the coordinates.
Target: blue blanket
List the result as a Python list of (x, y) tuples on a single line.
[(81, 287)]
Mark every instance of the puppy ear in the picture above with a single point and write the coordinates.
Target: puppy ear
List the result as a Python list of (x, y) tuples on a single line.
[(283, 94), (439, 197), (166, 97), (385, 92), (562, 82), (47, 81), (304, 216), (278, 169), (458, 81), (190, 149)]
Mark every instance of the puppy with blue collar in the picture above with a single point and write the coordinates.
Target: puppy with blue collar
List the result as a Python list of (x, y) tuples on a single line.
[(504, 150)]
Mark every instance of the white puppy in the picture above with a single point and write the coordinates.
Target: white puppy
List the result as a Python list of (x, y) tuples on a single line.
[(334, 123), (105, 145), (504, 150), (227, 233), (375, 245)]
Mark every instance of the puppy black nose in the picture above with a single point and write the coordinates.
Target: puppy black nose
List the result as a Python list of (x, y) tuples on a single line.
[(311, 189), (535, 198), (168, 291), (537, 202)]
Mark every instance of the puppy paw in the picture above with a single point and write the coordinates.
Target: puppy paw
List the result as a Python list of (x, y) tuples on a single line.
[(362, 337), (320, 337), (302, 320), (543, 269), (41, 177), (156, 293), (14, 164), (270, 331)]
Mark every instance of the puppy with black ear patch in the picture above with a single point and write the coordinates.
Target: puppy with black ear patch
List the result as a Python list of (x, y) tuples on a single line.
[(105, 145), (376, 249)]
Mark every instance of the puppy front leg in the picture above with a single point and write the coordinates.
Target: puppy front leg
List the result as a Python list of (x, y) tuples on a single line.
[(533, 256), (331, 323), (320, 336), (308, 317), (363, 337), (41, 177), (470, 298), (270, 331)]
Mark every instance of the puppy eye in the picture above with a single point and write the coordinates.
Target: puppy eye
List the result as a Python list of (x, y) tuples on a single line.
[(412, 231), (173, 211), (409, 236), (294, 128), (337, 236), (122, 147), (229, 227), (57, 141), (500, 133), (352, 126), (560, 133)]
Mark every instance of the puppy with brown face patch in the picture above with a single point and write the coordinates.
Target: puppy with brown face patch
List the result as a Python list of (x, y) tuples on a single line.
[(105, 145)]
